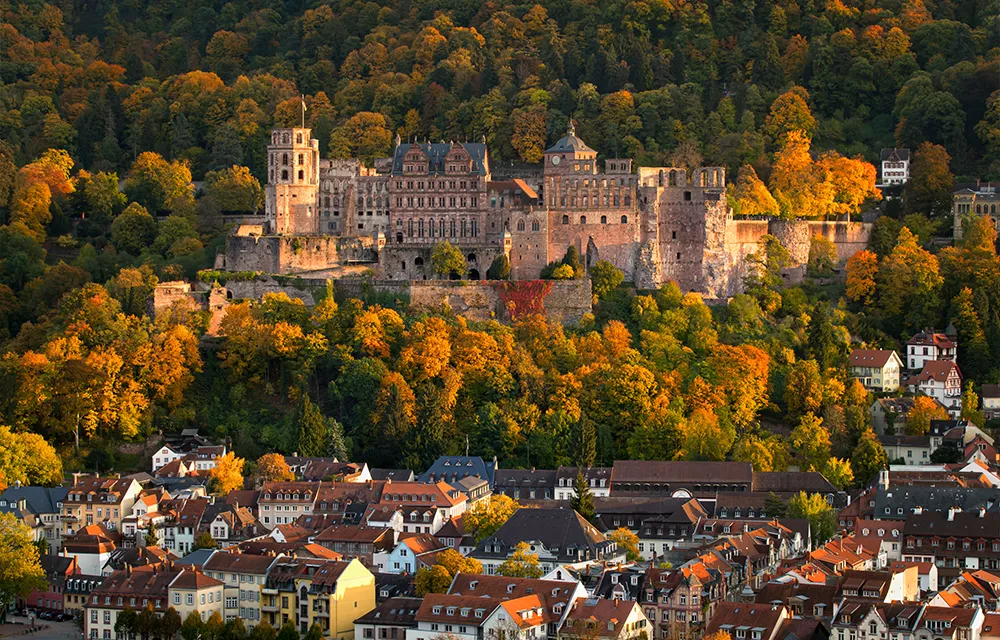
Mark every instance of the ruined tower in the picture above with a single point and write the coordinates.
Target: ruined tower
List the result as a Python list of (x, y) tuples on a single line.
[(291, 205)]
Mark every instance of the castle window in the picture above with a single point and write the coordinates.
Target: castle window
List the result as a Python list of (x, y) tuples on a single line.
[(687, 196), (430, 230), (624, 219), (628, 200), (326, 202), (418, 261), (452, 228), (678, 255), (298, 138), (441, 228), (576, 166), (520, 225), (284, 174), (673, 235), (583, 219), (399, 238), (410, 228), (535, 226), (604, 219), (284, 159), (565, 219), (302, 159), (420, 228), (402, 265), (302, 174)]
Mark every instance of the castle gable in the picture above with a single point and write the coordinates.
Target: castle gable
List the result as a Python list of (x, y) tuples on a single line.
[(436, 157)]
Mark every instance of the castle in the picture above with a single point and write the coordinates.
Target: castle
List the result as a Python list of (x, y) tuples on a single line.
[(340, 218)]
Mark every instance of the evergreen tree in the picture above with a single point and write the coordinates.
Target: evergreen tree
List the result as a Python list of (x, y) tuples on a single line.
[(774, 506), (586, 450), (583, 499), (337, 445), (313, 428)]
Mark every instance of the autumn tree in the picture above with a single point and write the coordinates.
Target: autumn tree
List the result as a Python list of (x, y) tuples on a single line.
[(627, 542), (20, 568), (605, 278), (862, 273), (521, 563), (271, 467), (839, 472), (790, 112), (811, 441), (751, 196), (234, 190), (931, 182), (909, 284), (485, 517), (438, 577), (925, 409), (227, 474), (28, 459), (365, 135), (156, 184)]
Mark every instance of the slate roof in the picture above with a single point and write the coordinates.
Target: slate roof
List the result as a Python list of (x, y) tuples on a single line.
[(437, 151), (682, 471), (514, 478), (792, 482), (967, 524), (450, 468), (930, 499), (931, 338), (561, 531), (895, 155), (38, 499), (396, 475), (397, 612), (569, 143)]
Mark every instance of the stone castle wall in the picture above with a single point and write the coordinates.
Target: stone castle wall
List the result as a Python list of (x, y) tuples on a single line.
[(289, 254), (566, 302), (614, 241)]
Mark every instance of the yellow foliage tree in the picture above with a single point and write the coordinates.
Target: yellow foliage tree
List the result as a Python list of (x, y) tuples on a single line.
[(751, 195), (862, 271), (271, 467), (227, 473), (486, 516), (925, 409)]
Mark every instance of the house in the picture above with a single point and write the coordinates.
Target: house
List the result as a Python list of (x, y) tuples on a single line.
[(889, 414), (425, 507), (98, 501), (453, 468), (474, 488), (76, 592), (927, 576), (949, 623), (748, 621), (606, 618), (58, 570), (158, 587), (978, 198), (971, 587), (37, 507), (412, 552), (907, 449), (803, 599), (679, 601), (329, 593), (880, 586), (895, 167), (459, 617), (555, 596), (232, 524), (597, 478), (243, 577), (390, 620), (660, 523), (876, 369), (989, 400), (930, 345), (198, 453), (283, 502), (92, 547), (361, 542), (941, 380), (331, 470), (558, 536), (526, 484), (953, 540)]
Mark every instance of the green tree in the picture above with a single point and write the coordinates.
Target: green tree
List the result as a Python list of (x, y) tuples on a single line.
[(315, 632), (288, 632), (192, 626), (235, 189), (313, 428), (170, 624), (812, 442), (155, 184), (125, 621), (868, 458), (605, 278), (133, 230), (583, 498), (447, 260), (499, 269), (821, 515), (205, 541), (931, 182)]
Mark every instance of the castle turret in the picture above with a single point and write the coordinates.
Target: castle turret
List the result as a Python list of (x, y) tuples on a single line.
[(293, 182)]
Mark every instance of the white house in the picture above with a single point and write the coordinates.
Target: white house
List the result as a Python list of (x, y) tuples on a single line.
[(930, 345), (941, 380), (597, 478), (876, 369), (895, 167)]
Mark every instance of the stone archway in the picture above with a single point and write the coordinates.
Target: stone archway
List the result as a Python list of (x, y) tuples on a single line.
[(474, 274)]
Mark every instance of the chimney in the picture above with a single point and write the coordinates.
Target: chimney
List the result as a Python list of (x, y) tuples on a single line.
[(918, 510), (982, 512), (951, 514)]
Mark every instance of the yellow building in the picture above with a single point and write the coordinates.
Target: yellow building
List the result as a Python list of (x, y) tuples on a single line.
[(332, 594)]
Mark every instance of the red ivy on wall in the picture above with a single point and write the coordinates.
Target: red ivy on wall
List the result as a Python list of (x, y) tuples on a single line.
[(523, 297)]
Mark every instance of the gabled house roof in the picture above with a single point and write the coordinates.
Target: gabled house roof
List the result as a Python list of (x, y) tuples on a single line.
[(872, 357)]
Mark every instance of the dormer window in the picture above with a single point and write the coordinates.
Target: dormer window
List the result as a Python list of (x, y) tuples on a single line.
[(436, 610)]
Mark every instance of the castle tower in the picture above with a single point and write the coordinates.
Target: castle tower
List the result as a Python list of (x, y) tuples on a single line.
[(292, 190)]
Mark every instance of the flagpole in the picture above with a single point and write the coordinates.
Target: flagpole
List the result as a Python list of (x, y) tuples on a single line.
[(303, 98)]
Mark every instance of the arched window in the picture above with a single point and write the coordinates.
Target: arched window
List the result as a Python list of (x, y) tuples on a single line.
[(583, 219), (284, 159), (565, 219), (399, 238), (624, 219), (326, 201), (628, 200), (604, 219), (535, 226), (993, 208), (284, 174), (298, 138), (520, 225), (418, 261), (471, 258), (978, 208)]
